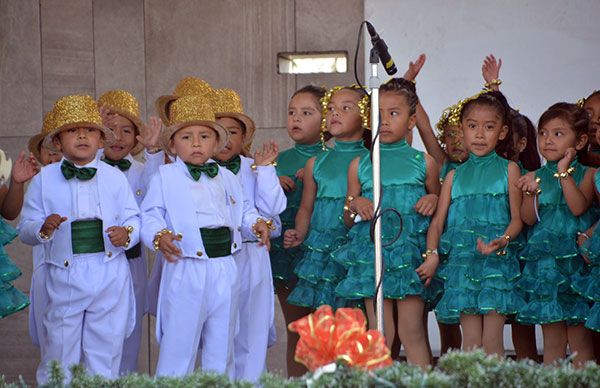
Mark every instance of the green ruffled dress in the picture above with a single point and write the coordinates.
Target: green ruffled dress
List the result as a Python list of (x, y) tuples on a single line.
[(11, 299), (318, 275), (283, 261), (479, 209), (403, 172), (588, 285), (552, 256)]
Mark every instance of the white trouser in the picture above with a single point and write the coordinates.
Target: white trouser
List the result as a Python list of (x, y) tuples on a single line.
[(256, 311), (90, 311), (197, 302), (131, 346), (154, 283)]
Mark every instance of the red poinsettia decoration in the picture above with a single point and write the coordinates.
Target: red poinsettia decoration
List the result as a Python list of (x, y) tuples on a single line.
[(325, 338)]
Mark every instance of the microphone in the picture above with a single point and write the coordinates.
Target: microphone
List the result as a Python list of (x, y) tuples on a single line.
[(382, 50)]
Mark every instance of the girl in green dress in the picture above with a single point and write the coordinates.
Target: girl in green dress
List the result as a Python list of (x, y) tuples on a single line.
[(478, 213), (319, 223), (556, 203)]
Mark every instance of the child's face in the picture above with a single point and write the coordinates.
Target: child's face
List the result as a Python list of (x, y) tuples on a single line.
[(395, 116), (482, 128), (555, 137), (48, 156), (236, 138), (304, 119), (79, 145), (194, 144), (592, 106), (455, 148), (343, 116), (124, 132)]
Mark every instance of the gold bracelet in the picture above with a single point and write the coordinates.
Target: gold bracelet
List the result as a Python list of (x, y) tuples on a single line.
[(349, 200), (532, 193), (494, 82), (257, 233), (270, 224), (564, 174), (43, 235), (129, 230), (428, 253), (254, 166), (158, 235)]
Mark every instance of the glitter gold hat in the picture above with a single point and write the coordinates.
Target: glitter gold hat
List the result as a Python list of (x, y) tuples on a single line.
[(188, 86), (192, 110), (124, 104), (35, 142), (76, 111), (227, 103)]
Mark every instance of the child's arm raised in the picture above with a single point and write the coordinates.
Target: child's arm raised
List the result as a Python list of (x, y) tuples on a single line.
[(490, 69), (269, 197), (579, 199), (23, 170), (428, 203), (516, 224), (295, 237), (356, 205)]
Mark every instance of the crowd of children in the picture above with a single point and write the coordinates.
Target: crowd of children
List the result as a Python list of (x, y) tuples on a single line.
[(481, 233)]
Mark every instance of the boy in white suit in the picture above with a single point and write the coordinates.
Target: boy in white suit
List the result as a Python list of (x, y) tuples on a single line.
[(195, 213), (85, 212)]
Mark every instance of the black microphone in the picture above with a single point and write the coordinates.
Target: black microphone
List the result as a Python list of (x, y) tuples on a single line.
[(382, 50)]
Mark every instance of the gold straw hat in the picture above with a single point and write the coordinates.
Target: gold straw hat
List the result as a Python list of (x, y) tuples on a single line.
[(124, 104), (192, 110), (35, 142), (188, 86), (227, 103), (76, 111)]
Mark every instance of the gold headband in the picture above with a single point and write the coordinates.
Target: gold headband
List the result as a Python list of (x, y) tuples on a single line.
[(363, 108)]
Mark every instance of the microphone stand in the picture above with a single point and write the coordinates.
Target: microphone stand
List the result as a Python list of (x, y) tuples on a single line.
[(374, 83)]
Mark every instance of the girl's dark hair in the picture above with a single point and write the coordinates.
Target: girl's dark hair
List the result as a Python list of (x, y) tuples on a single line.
[(523, 128), (404, 88), (577, 119), (594, 93), (316, 91), (496, 100)]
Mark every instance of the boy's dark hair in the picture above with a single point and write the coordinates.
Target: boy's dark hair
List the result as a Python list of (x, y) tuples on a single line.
[(524, 128), (404, 88)]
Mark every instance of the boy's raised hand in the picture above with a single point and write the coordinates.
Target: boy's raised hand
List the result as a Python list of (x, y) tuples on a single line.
[(490, 69), (268, 155), (24, 168), (151, 133)]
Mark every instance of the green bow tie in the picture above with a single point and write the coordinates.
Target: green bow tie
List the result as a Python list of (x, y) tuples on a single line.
[(69, 171), (210, 169), (232, 164), (122, 164)]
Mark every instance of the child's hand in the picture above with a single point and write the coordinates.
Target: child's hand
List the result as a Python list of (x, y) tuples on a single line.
[(52, 223), (263, 233), (118, 235), (428, 268), (287, 183), (24, 168), (268, 155), (565, 162), (427, 205), (491, 68), (149, 136), (168, 247), (581, 237), (363, 207), (300, 173), (528, 182), (414, 68), (291, 238), (492, 246)]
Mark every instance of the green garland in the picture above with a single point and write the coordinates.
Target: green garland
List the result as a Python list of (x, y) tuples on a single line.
[(455, 369)]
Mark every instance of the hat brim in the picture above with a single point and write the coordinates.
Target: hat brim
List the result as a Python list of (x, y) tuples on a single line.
[(162, 107), (170, 131), (109, 137), (248, 123), (138, 147), (34, 145)]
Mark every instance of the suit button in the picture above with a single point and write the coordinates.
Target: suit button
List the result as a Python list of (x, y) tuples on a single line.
[(199, 253), (239, 229), (109, 254), (234, 245), (66, 263), (138, 192)]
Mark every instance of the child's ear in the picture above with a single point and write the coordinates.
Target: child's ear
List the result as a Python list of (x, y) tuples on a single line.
[(503, 132), (172, 147), (522, 144), (412, 121), (581, 142)]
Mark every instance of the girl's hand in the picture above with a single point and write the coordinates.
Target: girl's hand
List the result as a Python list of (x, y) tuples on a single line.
[(268, 155), (149, 136), (565, 162), (492, 246), (24, 168), (52, 223), (291, 238), (118, 235), (287, 183), (168, 247), (491, 68), (300, 174), (414, 68), (427, 204), (428, 268), (581, 237), (363, 207), (528, 183)]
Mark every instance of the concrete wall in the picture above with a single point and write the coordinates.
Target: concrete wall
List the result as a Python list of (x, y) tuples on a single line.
[(49, 48)]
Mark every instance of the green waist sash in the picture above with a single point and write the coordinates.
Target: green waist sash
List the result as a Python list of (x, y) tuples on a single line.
[(217, 242), (134, 252), (86, 236)]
